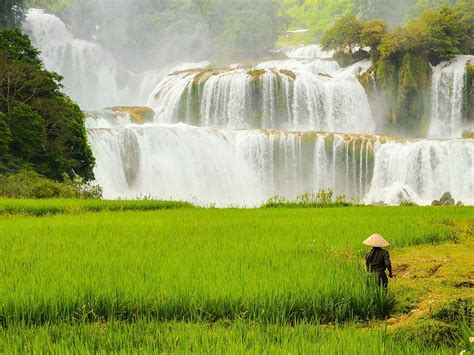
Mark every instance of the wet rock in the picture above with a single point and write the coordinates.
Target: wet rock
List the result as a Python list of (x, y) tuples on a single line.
[(138, 114), (446, 196), (468, 134), (449, 202)]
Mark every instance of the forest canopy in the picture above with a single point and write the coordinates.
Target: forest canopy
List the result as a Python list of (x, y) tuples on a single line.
[(40, 127)]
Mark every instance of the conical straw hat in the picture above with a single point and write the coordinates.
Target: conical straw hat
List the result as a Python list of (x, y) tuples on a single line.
[(376, 240)]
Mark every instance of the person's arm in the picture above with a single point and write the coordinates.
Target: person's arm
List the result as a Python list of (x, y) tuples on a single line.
[(388, 263), (367, 261)]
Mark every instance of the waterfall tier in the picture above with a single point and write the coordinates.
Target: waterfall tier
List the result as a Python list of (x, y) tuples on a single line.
[(315, 96), (229, 167), (421, 171), (246, 167), (447, 95), (92, 77)]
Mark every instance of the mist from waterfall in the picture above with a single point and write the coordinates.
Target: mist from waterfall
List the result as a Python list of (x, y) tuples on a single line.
[(92, 76)]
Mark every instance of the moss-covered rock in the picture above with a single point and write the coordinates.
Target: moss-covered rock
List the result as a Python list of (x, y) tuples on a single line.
[(256, 73), (138, 114), (468, 100), (468, 134), (406, 86), (288, 73)]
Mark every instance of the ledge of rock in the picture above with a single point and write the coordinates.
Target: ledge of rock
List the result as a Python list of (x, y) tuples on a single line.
[(468, 134), (138, 114)]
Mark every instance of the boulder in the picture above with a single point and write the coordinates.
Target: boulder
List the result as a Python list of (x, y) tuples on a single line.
[(446, 196), (436, 203), (449, 202), (138, 114)]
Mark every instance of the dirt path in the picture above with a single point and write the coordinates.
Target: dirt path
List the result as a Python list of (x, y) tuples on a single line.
[(430, 275)]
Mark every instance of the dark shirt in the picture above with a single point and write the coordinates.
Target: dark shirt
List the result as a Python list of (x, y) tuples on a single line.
[(377, 260)]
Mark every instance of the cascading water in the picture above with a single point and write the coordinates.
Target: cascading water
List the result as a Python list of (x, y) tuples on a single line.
[(311, 97), (447, 94), (307, 52), (421, 171), (236, 167), (242, 135), (91, 75)]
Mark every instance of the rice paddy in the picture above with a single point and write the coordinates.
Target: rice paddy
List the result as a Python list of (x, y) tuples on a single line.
[(167, 277)]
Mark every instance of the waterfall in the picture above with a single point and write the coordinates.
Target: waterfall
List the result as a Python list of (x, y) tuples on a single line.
[(269, 96), (92, 77), (228, 167), (447, 94), (240, 135), (422, 171), (307, 52)]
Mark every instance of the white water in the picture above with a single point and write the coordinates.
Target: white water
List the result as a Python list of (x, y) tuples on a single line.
[(447, 98), (227, 167), (246, 167), (422, 171), (313, 96), (307, 52), (92, 77)]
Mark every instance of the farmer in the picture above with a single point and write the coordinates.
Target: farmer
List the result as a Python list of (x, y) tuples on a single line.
[(378, 260)]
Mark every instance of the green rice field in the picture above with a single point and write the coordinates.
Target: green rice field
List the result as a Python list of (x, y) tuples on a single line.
[(97, 276)]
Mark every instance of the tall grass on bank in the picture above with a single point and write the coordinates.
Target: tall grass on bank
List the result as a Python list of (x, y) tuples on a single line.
[(217, 338), (33, 207), (265, 265)]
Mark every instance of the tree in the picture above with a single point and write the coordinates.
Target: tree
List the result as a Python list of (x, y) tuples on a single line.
[(5, 136), (28, 131), (372, 33), (11, 13), (444, 33), (249, 32), (344, 35), (47, 127)]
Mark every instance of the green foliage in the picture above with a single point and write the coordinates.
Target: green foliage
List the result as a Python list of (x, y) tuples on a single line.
[(322, 198), (403, 61), (28, 131), (372, 33), (316, 16), (430, 332), (47, 207), (458, 312), (468, 95), (344, 35), (249, 32), (5, 136), (226, 280), (442, 33), (29, 184), (153, 337), (45, 127)]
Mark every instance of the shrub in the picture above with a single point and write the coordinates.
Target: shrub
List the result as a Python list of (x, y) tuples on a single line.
[(429, 332), (29, 184)]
